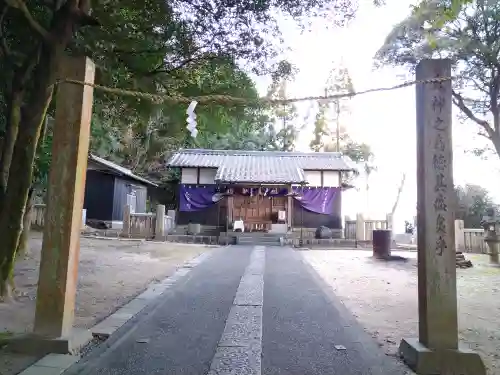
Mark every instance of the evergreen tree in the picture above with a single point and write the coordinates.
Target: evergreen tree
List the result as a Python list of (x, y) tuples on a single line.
[(285, 121), (328, 133)]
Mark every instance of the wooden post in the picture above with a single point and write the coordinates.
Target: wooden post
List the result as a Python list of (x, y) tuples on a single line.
[(230, 203), (160, 222), (436, 351), (289, 211), (126, 221), (63, 219)]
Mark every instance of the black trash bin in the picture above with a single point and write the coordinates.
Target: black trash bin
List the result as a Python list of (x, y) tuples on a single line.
[(381, 243)]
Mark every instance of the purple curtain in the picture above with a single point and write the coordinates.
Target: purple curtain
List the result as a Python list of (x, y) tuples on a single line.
[(316, 199), (195, 198)]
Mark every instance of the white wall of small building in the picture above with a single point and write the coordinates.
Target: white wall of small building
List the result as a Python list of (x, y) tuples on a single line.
[(189, 176), (323, 178), (207, 176)]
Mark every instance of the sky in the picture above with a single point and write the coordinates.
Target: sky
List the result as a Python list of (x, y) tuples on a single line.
[(386, 121)]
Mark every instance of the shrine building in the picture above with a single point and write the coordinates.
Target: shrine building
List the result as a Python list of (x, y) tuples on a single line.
[(265, 191)]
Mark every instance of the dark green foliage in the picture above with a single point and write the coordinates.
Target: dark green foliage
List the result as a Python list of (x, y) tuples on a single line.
[(472, 203)]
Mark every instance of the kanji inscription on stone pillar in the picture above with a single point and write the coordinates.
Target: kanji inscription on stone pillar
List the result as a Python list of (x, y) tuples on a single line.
[(436, 351), (435, 220)]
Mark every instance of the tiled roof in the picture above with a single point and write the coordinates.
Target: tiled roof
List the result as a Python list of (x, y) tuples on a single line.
[(119, 170), (261, 166)]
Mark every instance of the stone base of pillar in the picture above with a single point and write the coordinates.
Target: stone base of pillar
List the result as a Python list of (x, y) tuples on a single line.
[(34, 344), (425, 361)]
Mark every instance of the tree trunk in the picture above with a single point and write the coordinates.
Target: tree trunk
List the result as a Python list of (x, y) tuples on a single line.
[(13, 119), (495, 139), (6, 291), (395, 205), (21, 169), (23, 241), (42, 70)]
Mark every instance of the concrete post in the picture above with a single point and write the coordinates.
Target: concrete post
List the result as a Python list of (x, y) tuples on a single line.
[(160, 222), (459, 235), (436, 351), (493, 242), (360, 228), (172, 214), (63, 219), (126, 221), (84, 218), (344, 227), (494, 253), (390, 221)]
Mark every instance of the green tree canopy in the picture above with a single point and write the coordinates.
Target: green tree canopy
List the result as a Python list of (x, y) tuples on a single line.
[(473, 201), (285, 122), (471, 41), (151, 45)]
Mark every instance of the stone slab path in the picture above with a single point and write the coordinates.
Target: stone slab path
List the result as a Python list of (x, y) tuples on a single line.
[(244, 310)]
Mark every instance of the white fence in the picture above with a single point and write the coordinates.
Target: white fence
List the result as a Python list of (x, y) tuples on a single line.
[(473, 241), (136, 225), (361, 229), (467, 239), (146, 225)]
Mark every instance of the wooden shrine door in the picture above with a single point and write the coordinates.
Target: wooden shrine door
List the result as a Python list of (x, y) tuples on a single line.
[(255, 211)]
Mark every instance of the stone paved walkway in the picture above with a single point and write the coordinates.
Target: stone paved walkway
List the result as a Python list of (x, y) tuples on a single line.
[(244, 310)]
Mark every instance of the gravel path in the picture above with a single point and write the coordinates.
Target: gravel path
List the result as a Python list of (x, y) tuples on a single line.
[(264, 314), (383, 296), (111, 273)]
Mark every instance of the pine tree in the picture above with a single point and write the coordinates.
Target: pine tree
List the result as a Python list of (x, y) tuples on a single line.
[(331, 134), (285, 117), (320, 129), (339, 81)]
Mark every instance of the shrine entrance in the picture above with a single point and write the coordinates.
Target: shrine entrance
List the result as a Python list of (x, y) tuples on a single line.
[(258, 212)]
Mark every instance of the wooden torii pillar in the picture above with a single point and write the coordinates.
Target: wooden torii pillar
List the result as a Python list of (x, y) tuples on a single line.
[(58, 279)]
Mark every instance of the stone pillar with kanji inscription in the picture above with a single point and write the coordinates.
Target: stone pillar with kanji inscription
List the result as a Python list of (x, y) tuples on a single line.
[(436, 350)]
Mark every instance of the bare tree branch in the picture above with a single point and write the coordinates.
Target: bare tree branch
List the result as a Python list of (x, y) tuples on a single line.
[(181, 65), (137, 51), (459, 102), (400, 190), (21, 5), (494, 91), (481, 134)]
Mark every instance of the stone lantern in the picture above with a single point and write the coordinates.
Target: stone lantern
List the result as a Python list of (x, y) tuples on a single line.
[(491, 225)]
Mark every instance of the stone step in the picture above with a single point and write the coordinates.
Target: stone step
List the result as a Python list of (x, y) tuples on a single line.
[(254, 234), (312, 242), (251, 240)]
